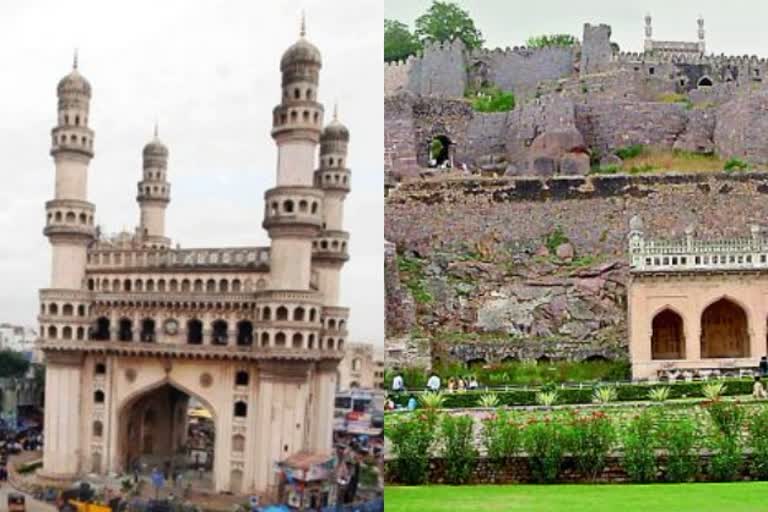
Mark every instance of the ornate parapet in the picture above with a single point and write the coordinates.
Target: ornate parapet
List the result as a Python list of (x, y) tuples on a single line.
[(699, 255), (181, 259)]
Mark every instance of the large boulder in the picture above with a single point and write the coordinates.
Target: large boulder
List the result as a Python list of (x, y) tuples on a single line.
[(575, 164), (742, 128), (556, 143)]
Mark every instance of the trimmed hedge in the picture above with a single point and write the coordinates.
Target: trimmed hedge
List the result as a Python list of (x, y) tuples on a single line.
[(625, 393)]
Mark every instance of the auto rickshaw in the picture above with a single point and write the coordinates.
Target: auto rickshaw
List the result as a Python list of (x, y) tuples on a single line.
[(16, 502)]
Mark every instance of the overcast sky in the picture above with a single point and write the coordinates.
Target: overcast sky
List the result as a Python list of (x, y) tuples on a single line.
[(209, 72), (732, 27)]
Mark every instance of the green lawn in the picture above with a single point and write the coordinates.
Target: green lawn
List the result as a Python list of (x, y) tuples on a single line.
[(699, 497)]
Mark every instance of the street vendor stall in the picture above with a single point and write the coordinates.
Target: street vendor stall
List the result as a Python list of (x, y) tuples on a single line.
[(307, 481)]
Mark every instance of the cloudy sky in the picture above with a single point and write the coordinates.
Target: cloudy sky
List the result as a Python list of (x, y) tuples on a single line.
[(209, 72), (733, 27)]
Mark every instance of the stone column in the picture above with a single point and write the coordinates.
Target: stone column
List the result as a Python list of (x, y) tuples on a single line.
[(62, 448)]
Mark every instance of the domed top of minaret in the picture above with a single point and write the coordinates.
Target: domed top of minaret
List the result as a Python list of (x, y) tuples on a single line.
[(335, 130), (74, 82), (302, 52), (155, 147)]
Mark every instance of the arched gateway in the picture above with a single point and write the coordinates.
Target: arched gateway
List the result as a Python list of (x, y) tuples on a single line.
[(223, 359), (697, 308)]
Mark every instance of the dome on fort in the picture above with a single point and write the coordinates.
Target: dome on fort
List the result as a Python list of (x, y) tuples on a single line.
[(335, 131), (301, 53), (74, 83), (155, 147)]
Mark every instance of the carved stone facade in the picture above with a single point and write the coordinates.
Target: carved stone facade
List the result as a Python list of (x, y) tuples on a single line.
[(133, 330), (696, 307), (362, 367)]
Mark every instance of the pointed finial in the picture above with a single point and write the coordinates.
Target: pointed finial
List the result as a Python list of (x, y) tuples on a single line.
[(303, 30), (156, 123), (336, 110), (74, 60)]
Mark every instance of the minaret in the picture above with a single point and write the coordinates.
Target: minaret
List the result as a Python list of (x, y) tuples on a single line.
[(154, 194), (648, 33), (70, 229), (702, 45), (69, 225), (293, 209), (333, 177)]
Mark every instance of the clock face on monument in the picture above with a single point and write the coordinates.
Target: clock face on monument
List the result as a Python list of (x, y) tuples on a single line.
[(171, 326)]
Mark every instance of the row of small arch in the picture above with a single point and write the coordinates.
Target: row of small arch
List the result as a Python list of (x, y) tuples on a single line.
[(201, 257), (73, 139), (154, 189), (330, 161), (76, 118), (70, 217), (328, 178), (291, 206), (171, 285), (307, 117), (308, 93), (331, 244), (245, 335)]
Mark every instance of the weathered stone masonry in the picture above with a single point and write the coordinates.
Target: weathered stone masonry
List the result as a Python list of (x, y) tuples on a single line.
[(548, 308)]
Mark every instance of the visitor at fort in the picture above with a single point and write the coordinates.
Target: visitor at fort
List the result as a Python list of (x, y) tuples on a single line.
[(758, 390), (398, 385), (473, 383), (763, 366), (433, 384), (451, 384), (412, 403), (461, 384)]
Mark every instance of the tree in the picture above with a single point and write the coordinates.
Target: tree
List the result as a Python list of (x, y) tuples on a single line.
[(550, 40), (12, 364), (445, 21), (399, 42)]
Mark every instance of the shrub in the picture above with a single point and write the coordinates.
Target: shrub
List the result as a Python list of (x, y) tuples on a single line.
[(501, 437), (727, 417), (735, 164), (489, 400), (590, 439), (492, 99), (546, 40), (546, 398), (641, 169), (412, 439), (639, 456), (678, 437), (758, 442), (604, 394), (555, 239), (545, 443), (459, 450), (727, 458), (432, 400), (630, 151), (659, 394), (713, 390), (605, 169)]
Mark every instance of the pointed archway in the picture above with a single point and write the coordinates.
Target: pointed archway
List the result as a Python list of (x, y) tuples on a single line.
[(667, 336), (724, 330)]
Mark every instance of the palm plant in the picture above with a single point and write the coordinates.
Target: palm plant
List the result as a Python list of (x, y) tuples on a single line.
[(546, 398), (659, 394), (713, 390), (432, 400), (604, 394), (489, 400)]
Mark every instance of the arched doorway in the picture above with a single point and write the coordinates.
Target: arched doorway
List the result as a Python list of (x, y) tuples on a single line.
[(168, 429), (667, 337), (704, 81), (440, 151), (724, 330)]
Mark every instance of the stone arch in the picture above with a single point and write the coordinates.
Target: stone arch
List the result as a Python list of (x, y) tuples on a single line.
[(667, 335), (439, 151), (724, 330), (704, 81)]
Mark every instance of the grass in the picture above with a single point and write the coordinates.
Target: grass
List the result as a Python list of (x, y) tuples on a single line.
[(697, 497), (657, 159)]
